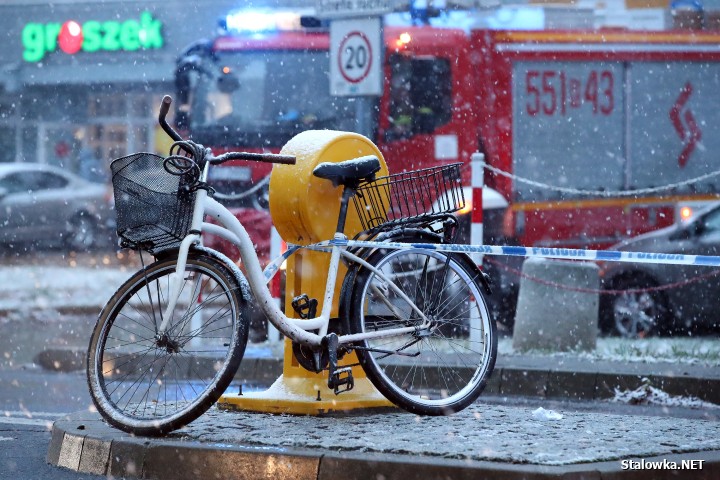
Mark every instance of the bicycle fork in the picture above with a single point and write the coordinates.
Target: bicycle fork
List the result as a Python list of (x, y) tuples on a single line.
[(176, 280)]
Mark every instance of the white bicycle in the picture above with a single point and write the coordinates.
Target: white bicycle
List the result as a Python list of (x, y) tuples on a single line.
[(417, 318)]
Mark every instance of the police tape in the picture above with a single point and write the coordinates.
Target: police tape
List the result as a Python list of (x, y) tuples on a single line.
[(540, 252), (536, 252), (274, 266)]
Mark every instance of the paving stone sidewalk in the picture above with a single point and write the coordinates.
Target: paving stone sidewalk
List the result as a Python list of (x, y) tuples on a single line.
[(484, 441)]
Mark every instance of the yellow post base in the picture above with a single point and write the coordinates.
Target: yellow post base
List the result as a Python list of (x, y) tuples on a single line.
[(300, 392), (301, 396)]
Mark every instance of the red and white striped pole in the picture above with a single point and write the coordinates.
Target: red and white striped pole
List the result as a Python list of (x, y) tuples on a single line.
[(477, 182)]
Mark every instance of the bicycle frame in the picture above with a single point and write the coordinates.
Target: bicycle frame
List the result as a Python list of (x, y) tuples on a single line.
[(298, 330)]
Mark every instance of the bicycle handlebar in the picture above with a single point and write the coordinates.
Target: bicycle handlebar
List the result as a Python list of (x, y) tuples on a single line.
[(216, 160)]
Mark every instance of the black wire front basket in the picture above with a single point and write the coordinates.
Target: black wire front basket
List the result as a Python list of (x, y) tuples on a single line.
[(410, 197), (153, 207)]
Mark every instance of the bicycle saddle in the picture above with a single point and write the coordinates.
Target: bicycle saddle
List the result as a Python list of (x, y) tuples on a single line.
[(350, 172)]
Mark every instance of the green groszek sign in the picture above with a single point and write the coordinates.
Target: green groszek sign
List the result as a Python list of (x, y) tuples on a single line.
[(39, 39)]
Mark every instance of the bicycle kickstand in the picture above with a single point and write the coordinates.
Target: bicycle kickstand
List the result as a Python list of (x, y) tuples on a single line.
[(339, 379)]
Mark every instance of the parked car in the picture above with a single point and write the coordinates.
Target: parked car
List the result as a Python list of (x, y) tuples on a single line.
[(45, 205), (653, 298)]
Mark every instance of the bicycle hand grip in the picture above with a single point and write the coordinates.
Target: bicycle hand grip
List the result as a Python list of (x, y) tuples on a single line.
[(164, 109), (284, 159), (255, 157)]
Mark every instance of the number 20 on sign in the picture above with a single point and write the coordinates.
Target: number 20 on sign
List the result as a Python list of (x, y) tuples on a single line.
[(356, 57)]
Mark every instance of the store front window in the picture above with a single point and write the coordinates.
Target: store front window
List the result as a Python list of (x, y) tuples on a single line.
[(8, 132), (7, 143), (120, 124), (111, 126)]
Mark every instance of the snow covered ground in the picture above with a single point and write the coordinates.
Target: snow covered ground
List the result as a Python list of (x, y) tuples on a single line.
[(703, 350), (28, 288), (646, 394), (514, 434)]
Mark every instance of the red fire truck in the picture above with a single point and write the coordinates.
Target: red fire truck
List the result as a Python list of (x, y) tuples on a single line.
[(600, 111), (570, 117)]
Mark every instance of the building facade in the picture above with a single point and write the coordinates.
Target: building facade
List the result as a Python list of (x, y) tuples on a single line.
[(81, 81)]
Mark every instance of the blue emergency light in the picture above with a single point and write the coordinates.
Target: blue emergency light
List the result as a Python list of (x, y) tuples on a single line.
[(261, 21)]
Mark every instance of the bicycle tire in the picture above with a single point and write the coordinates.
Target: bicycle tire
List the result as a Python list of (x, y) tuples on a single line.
[(146, 385), (438, 370)]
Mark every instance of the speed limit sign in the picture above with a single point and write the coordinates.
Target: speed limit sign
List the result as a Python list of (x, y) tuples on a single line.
[(356, 57)]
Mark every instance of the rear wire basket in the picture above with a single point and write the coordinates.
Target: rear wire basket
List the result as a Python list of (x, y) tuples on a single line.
[(154, 210), (409, 198)]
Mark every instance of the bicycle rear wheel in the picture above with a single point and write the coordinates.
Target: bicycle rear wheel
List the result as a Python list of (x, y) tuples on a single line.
[(150, 384), (443, 365)]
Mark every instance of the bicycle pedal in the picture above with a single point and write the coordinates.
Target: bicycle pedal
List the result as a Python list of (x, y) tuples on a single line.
[(336, 380), (305, 306)]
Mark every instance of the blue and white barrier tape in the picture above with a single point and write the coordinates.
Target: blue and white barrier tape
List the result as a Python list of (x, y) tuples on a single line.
[(272, 268), (537, 252), (542, 252)]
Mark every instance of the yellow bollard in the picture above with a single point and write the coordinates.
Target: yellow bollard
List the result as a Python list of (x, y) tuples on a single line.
[(305, 209)]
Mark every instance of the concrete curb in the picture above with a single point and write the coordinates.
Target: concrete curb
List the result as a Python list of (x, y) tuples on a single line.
[(83, 443)]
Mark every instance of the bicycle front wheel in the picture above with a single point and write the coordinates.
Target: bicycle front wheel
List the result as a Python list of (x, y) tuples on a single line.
[(147, 383), (443, 364)]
